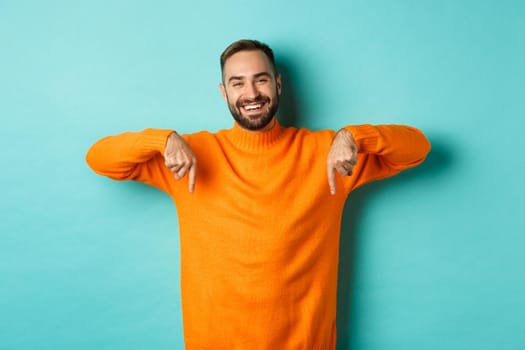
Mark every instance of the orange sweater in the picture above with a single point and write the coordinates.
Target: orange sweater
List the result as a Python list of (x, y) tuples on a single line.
[(259, 237)]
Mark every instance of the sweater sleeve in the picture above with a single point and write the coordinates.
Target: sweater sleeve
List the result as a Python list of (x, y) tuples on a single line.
[(385, 150), (132, 156)]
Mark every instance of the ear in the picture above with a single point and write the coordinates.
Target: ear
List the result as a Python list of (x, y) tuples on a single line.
[(278, 83), (223, 92)]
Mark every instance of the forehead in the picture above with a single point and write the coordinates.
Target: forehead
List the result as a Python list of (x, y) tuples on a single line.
[(246, 63)]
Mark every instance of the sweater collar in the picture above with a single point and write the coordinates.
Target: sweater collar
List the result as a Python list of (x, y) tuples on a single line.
[(254, 141)]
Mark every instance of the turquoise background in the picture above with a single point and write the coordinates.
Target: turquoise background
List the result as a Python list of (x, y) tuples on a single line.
[(430, 259)]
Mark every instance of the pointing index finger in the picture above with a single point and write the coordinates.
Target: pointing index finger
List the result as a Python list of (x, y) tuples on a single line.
[(331, 179), (191, 177)]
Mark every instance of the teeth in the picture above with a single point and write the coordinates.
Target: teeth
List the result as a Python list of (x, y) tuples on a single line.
[(252, 107)]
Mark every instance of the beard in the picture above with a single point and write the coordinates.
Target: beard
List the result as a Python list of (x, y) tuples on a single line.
[(258, 121)]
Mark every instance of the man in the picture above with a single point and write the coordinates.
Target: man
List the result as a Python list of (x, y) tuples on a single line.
[(259, 208)]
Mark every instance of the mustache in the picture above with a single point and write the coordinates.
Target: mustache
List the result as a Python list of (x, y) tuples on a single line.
[(258, 99)]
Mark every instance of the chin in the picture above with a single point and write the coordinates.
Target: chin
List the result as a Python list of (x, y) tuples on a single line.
[(254, 125)]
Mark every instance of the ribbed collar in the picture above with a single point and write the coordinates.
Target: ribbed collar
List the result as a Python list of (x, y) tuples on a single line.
[(252, 141)]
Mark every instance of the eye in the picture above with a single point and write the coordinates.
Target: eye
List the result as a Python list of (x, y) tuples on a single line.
[(237, 84), (262, 81)]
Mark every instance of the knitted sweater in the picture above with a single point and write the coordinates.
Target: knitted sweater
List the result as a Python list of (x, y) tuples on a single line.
[(259, 236)]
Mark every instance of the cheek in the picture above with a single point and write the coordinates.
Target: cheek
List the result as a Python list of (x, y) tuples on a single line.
[(233, 96), (230, 97), (273, 93)]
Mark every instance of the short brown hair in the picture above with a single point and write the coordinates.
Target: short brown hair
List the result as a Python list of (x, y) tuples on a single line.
[(247, 45)]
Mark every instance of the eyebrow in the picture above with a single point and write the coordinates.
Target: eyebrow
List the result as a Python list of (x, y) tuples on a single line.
[(258, 75)]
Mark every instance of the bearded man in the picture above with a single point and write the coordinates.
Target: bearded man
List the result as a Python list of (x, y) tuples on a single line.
[(259, 208)]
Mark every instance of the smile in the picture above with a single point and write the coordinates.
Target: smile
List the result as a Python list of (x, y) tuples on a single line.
[(253, 107)]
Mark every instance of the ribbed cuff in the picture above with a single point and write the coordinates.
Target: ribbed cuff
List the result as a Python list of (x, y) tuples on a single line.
[(366, 137), (155, 139)]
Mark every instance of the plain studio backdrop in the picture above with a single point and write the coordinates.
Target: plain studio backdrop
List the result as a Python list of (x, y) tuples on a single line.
[(430, 259)]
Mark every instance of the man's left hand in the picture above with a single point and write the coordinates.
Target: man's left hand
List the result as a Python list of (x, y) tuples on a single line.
[(342, 157)]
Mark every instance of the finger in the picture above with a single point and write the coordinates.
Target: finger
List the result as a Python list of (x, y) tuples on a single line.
[(345, 168), (182, 171), (175, 168), (353, 160), (191, 177), (331, 179), (341, 169), (173, 161), (351, 169), (349, 166), (169, 163)]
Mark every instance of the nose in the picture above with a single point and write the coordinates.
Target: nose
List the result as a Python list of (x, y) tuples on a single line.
[(252, 91)]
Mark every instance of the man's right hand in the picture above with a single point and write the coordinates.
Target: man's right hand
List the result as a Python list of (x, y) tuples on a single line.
[(179, 159)]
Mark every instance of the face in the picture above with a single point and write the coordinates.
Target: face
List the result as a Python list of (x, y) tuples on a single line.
[(251, 89)]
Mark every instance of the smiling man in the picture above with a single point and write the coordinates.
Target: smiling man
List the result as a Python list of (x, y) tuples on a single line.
[(251, 87), (260, 214)]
